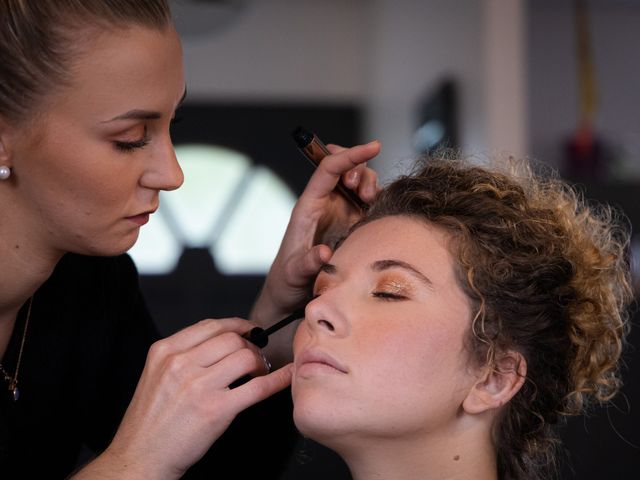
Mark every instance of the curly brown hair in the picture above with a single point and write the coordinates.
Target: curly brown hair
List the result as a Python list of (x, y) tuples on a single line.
[(548, 276)]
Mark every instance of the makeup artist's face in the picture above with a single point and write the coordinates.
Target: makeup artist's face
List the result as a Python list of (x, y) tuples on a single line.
[(89, 169), (381, 350)]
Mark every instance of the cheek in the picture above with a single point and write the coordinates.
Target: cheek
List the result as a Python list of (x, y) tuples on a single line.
[(398, 353), (418, 359), (90, 180)]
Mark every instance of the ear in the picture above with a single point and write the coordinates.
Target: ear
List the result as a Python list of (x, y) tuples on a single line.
[(497, 384)]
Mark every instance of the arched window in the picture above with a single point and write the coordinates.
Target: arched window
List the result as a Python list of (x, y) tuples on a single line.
[(228, 205)]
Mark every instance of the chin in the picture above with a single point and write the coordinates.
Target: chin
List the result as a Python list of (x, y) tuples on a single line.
[(105, 247), (327, 429), (314, 429), (320, 420), (125, 246)]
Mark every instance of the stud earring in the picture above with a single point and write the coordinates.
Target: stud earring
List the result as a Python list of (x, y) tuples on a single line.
[(5, 172)]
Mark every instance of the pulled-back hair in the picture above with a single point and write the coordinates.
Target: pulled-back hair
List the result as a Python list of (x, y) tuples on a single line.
[(547, 275), (38, 42)]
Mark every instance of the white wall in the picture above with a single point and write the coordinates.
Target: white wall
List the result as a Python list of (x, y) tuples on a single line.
[(505, 74), (282, 49), (382, 54)]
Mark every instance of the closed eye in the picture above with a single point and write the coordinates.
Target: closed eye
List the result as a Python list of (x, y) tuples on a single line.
[(128, 146), (388, 296), (131, 146)]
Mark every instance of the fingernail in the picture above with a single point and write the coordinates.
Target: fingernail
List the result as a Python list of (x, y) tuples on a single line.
[(353, 177), (267, 363)]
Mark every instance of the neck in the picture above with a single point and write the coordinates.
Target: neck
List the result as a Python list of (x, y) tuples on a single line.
[(25, 265), (466, 454)]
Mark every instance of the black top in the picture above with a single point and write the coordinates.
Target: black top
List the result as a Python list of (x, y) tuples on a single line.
[(85, 349)]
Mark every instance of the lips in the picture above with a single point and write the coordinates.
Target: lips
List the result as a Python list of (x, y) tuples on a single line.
[(313, 359), (141, 218)]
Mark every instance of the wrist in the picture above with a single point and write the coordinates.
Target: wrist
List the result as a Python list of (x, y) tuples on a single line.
[(113, 464)]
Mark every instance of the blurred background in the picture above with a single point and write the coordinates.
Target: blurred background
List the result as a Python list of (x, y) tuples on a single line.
[(555, 80)]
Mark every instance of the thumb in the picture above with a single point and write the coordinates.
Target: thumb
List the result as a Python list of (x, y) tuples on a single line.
[(311, 262)]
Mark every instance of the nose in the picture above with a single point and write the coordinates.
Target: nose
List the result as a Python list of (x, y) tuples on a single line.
[(324, 316), (163, 171)]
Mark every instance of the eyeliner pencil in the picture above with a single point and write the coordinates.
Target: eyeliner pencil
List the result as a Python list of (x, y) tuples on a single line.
[(314, 150)]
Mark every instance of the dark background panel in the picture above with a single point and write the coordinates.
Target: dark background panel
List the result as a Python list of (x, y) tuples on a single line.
[(196, 290), (606, 443), (263, 131)]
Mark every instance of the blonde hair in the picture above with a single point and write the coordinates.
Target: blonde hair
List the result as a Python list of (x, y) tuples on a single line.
[(38, 45)]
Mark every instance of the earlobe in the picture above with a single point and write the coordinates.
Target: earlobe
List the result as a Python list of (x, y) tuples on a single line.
[(498, 384), (5, 156)]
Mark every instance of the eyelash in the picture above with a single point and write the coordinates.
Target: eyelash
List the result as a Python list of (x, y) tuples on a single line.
[(128, 147), (131, 146), (388, 296)]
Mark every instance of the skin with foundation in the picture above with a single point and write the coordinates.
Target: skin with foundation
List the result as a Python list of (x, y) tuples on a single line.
[(382, 374)]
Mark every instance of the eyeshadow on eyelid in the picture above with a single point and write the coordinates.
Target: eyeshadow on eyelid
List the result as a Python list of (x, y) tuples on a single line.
[(395, 286), (130, 133), (319, 288)]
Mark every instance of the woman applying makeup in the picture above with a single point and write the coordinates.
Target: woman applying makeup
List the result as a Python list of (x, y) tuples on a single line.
[(87, 93), (465, 315)]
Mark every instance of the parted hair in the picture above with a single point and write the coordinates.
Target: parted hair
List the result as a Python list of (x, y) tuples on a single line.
[(39, 40), (548, 276)]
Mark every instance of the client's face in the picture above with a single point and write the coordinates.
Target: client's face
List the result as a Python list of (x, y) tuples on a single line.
[(381, 350)]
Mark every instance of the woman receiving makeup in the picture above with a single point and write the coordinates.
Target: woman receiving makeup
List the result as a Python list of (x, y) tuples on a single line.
[(88, 90), (468, 312)]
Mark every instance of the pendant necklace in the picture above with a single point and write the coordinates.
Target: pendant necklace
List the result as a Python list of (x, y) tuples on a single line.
[(13, 380)]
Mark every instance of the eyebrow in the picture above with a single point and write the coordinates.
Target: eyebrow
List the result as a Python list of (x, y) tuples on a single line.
[(328, 268), (138, 114), (381, 265)]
